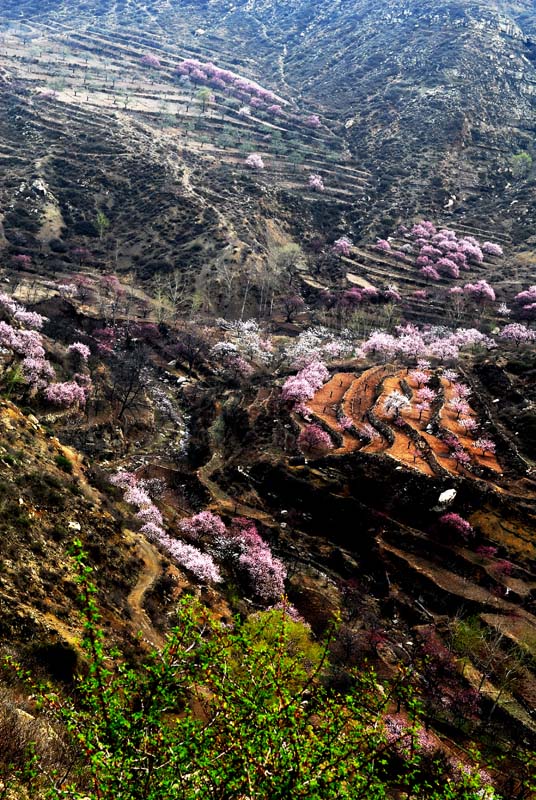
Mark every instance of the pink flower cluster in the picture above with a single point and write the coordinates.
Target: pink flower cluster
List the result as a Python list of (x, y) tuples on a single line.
[(301, 387), (244, 549), (199, 564), (461, 458), (469, 424), (461, 390), (149, 60), (106, 339), (492, 249), (316, 183), (254, 161), (384, 345), (383, 245), (123, 479), (203, 525), (242, 88), (420, 377), (392, 295), (426, 395), (480, 292), (314, 440), (455, 524), (526, 302), (37, 372), (229, 356), (65, 395), (79, 350), (313, 121), (441, 252), (265, 573), (343, 246), (30, 319), (517, 333), (410, 342), (241, 544), (459, 406), (8, 305), (486, 445), (355, 296), (25, 343)]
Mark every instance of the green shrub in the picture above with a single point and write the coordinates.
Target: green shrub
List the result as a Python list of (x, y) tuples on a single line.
[(229, 712), (63, 463)]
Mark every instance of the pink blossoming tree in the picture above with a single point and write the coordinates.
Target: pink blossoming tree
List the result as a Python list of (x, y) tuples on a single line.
[(316, 183), (313, 440)]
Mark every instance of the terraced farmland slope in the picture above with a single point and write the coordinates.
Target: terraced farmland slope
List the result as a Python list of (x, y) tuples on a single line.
[(392, 83)]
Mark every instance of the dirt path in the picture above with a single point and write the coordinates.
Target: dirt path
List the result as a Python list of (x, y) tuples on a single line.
[(151, 570)]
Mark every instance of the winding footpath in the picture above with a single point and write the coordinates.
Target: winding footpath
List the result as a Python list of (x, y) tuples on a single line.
[(149, 573)]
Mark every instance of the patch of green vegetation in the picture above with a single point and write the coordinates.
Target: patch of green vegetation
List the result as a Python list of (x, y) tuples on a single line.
[(63, 463), (521, 164), (266, 724)]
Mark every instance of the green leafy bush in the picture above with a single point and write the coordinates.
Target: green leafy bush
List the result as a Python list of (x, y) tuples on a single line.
[(63, 463), (228, 713)]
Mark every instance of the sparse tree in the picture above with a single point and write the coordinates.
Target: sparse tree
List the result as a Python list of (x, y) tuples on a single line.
[(204, 96), (293, 304), (191, 346), (102, 222), (288, 259)]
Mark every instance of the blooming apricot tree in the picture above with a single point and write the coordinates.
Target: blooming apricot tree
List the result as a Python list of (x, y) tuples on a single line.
[(254, 161), (343, 246), (456, 524), (316, 183), (313, 121), (395, 402), (517, 333), (150, 60), (313, 440)]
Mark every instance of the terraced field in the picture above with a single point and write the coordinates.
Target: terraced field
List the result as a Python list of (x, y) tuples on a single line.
[(423, 439), (102, 72), (102, 130), (366, 266), (105, 116)]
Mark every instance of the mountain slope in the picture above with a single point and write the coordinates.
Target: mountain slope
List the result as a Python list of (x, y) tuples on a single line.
[(435, 100)]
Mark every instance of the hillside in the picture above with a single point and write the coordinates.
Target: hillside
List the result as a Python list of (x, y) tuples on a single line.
[(392, 81), (267, 331)]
